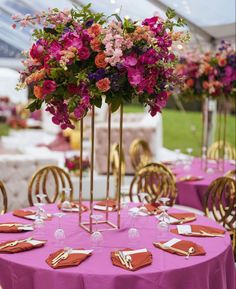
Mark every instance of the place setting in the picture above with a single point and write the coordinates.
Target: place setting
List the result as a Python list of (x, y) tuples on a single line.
[(15, 227), (130, 259), (67, 257), (198, 231), (21, 245)]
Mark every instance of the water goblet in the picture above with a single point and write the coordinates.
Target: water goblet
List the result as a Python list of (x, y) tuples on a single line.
[(59, 234), (178, 159), (133, 232), (96, 236), (143, 196), (66, 205)]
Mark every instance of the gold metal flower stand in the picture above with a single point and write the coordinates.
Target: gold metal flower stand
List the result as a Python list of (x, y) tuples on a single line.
[(85, 221)]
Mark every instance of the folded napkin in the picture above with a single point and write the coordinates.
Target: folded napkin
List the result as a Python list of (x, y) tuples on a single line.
[(16, 246), (15, 227), (101, 206), (28, 214), (73, 258), (138, 258), (153, 208), (177, 218), (190, 178), (198, 231), (74, 207), (180, 247)]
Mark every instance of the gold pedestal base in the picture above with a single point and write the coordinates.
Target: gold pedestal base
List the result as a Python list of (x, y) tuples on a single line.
[(86, 226)]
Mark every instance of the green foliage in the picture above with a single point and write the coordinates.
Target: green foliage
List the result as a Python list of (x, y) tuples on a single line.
[(35, 105), (85, 14)]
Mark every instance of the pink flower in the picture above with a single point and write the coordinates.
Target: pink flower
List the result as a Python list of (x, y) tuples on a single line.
[(72, 39), (130, 60), (84, 53), (55, 50), (103, 84), (134, 76), (49, 86), (13, 26), (36, 51)]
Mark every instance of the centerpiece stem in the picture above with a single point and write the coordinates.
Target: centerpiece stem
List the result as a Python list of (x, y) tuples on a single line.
[(91, 170), (120, 163), (81, 171)]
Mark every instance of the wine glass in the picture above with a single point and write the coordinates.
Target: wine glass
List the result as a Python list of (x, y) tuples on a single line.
[(59, 234), (142, 196), (178, 159), (96, 236), (164, 219), (124, 192), (40, 216), (133, 232), (66, 205)]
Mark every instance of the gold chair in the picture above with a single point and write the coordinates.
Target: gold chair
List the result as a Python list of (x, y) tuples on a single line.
[(156, 180), (49, 178), (220, 203), (213, 151), (231, 174), (4, 195), (140, 154), (115, 164)]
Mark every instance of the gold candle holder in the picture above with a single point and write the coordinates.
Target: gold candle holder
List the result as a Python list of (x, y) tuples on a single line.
[(88, 225)]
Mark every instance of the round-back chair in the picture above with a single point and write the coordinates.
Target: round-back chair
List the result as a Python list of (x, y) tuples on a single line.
[(49, 180), (215, 148), (4, 198), (156, 180), (140, 154)]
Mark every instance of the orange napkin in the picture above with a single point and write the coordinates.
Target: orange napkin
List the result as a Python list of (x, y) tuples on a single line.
[(196, 231), (182, 245), (16, 228), (183, 217), (190, 178), (139, 260), (74, 259), (74, 205), (24, 213), (153, 208), (111, 203), (20, 247)]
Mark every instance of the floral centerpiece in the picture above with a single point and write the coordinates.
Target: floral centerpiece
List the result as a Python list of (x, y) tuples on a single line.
[(79, 56), (73, 164), (211, 74)]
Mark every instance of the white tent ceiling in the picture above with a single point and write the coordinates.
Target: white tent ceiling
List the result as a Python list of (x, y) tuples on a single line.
[(210, 20)]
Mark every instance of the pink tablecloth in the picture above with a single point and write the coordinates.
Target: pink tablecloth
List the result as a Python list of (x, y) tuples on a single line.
[(28, 270), (191, 193)]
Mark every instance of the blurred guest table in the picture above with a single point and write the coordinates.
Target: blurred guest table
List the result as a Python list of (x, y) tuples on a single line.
[(28, 270), (191, 192)]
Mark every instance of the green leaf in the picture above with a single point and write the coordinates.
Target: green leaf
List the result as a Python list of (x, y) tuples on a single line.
[(98, 101), (129, 25), (35, 105), (170, 13), (50, 30)]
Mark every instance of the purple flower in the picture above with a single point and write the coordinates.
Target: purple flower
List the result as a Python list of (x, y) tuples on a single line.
[(134, 76), (89, 22), (98, 75), (149, 57)]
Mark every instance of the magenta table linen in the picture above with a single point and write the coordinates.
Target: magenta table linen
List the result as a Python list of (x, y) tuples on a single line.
[(191, 193), (28, 270)]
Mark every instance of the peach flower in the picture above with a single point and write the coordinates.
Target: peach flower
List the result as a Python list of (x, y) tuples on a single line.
[(190, 82), (95, 45), (100, 60), (103, 84), (38, 91), (94, 30)]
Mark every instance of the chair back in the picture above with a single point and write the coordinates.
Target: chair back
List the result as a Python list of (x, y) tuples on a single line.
[(49, 180), (214, 150), (231, 174), (4, 198), (140, 154), (156, 180)]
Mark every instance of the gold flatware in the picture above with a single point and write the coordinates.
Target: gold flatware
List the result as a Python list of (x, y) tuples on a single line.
[(14, 243), (211, 234), (184, 220), (191, 250), (63, 257), (129, 261), (58, 256), (171, 248), (121, 260), (8, 225)]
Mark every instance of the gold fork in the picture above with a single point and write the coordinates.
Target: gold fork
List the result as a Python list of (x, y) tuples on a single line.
[(63, 257)]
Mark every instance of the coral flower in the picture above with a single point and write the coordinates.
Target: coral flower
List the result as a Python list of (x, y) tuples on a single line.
[(103, 84), (95, 45), (94, 30), (100, 60), (190, 82), (38, 91)]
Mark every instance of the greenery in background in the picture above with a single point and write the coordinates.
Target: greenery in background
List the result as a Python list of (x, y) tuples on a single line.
[(4, 129), (183, 130)]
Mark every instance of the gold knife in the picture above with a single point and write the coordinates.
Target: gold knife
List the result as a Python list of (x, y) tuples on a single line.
[(171, 248)]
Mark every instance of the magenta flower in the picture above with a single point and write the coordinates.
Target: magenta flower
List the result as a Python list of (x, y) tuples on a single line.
[(72, 39), (149, 57), (55, 50), (84, 53), (49, 86), (130, 60), (150, 21), (36, 51)]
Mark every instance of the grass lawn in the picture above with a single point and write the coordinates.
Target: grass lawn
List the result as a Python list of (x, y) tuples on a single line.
[(4, 129), (183, 130)]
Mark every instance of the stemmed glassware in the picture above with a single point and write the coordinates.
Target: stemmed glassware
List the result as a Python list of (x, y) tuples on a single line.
[(66, 205), (164, 219), (143, 196), (40, 216), (96, 236), (133, 232), (189, 160), (59, 234), (178, 159)]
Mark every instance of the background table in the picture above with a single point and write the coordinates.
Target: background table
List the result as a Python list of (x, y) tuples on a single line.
[(28, 270), (191, 193)]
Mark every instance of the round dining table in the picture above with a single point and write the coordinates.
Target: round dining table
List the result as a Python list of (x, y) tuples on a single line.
[(28, 270), (191, 192)]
